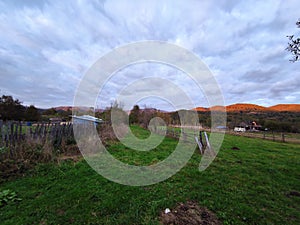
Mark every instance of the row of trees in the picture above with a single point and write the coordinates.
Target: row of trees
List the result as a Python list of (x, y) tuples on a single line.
[(65, 115), (11, 109), (137, 116), (144, 116), (276, 121)]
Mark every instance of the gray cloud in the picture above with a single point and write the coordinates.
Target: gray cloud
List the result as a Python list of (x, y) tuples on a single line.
[(259, 75), (286, 87), (47, 46)]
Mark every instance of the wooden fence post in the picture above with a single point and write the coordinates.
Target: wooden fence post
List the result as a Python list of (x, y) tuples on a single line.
[(11, 137), (199, 145), (207, 141), (1, 133), (200, 137), (20, 131)]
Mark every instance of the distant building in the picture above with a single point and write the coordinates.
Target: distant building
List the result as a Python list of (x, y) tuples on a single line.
[(253, 126), (239, 129)]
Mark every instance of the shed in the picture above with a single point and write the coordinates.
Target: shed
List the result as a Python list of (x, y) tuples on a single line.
[(86, 119)]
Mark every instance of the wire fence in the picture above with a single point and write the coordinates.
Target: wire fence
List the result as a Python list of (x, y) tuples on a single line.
[(189, 133), (270, 135), (13, 134)]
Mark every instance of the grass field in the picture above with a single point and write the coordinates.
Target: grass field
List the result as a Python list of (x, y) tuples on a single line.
[(246, 186)]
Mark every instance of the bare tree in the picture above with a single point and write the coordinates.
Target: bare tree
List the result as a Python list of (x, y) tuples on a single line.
[(294, 45)]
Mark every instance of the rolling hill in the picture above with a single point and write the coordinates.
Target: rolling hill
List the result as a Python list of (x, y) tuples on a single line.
[(238, 107), (243, 107), (285, 107)]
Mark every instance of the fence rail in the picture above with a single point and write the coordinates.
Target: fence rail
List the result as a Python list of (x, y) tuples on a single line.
[(193, 132), (13, 134), (269, 135)]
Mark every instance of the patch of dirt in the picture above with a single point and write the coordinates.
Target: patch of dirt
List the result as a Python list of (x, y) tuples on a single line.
[(189, 213), (13, 168), (235, 148)]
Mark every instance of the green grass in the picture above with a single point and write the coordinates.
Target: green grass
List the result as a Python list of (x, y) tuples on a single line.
[(246, 186)]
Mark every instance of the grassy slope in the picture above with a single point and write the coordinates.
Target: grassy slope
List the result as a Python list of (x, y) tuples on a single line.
[(247, 186)]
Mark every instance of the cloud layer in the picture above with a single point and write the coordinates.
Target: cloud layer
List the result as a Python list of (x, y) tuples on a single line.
[(47, 46)]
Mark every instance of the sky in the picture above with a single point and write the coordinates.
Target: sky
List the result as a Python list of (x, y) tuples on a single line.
[(47, 47)]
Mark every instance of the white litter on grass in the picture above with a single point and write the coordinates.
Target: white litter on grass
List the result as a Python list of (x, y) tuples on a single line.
[(167, 210)]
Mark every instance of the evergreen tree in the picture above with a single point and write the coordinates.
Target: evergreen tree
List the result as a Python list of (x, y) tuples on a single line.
[(134, 115), (32, 113)]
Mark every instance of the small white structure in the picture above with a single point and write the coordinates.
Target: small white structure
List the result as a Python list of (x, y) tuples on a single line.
[(86, 118), (239, 129)]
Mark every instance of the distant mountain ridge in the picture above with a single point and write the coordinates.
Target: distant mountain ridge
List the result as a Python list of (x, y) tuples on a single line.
[(67, 108), (244, 107), (238, 107), (286, 107)]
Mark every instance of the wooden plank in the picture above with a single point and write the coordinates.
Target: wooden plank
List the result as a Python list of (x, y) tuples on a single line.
[(207, 141), (35, 134), (1, 133), (31, 132), (20, 131), (10, 136), (40, 131), (6, 139), (46, 130), (200, 138), (16, 130), (199, 145)]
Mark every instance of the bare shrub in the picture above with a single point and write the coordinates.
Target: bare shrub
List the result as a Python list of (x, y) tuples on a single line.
[(106, 133), (16, 160), (23, 157)]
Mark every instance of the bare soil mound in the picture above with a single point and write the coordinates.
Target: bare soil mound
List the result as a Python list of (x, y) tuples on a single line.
[(189, 213)]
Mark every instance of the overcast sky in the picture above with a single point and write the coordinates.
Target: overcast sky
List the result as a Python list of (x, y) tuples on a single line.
[(46, 47)]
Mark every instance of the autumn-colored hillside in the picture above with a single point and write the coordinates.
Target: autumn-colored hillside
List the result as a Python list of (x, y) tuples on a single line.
[(243, 107), (239, 107), (64, 108), (233, 108), (285, 107), (201, 109)]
